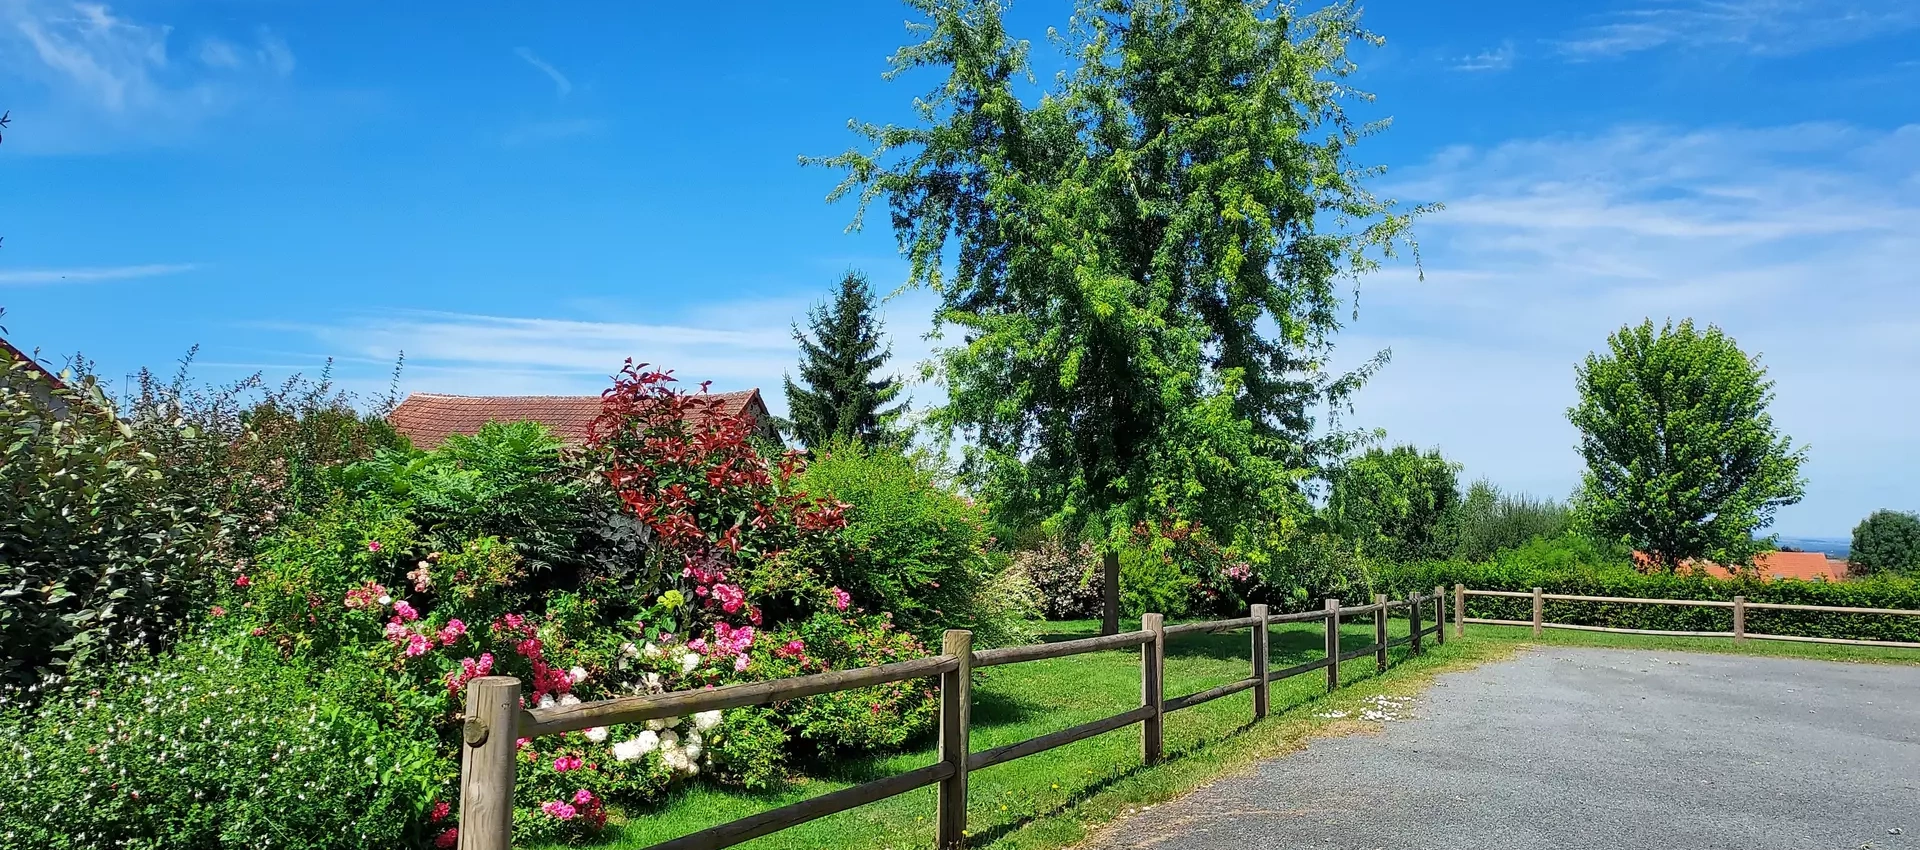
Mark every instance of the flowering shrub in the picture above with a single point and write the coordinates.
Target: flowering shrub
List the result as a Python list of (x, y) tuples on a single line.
[(214, 747), (1068, 577)]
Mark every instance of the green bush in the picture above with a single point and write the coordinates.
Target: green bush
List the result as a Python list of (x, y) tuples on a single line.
[(211, 748), (1573, 565), (912, 548), (96, 554), (1488, 521), (1395, 503), (1152, 583), (1885, 542)]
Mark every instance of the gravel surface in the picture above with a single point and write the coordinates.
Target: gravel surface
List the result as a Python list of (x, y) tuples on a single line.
[(1573, 747)]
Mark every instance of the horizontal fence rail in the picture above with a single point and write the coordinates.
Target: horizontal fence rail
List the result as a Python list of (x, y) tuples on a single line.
[(495, 718), (1738, 605)]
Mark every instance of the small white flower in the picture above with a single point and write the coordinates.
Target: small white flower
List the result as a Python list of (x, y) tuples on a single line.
[(597, 734), (629, 650), (627, 750), (689, 661), (546, 700), (385, 600), (652, 651), (657, 724), (706, 719), (569, 699), (577, 674), (648, 741), (669, 740), (653, 681)]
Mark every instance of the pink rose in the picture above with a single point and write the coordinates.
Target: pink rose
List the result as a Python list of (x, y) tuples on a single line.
[(243, 581), (841, 599), (452, 631), (582, 797), (557, 809), (373, 545), (405, 611), (417, 645), (447, 839), (740, 664)]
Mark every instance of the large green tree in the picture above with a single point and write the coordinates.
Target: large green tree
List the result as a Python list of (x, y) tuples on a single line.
[(1683, 460), (1143, 262), (1885, 542), (843, 399), (1396, 503)]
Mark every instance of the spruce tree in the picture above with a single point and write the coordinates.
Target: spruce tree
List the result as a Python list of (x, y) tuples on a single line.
[(842, 399)]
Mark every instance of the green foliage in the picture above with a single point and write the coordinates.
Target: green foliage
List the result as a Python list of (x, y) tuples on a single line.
[(1885, 542), (1488, 521), (1065, 577), (1572, 564), (1136, 260), (212, 747), (911, 547), (510, 480), (1683, 460), (1396, 503), (842, 400), (96, 553), (1317, 566), (1152, 583)]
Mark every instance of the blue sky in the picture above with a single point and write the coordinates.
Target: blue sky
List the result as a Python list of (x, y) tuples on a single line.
[(521, 197)]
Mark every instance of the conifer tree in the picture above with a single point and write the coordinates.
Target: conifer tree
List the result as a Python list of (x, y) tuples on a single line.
[(842, 398)]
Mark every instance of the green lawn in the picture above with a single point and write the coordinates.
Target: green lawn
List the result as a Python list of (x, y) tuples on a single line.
[(1056, 798)]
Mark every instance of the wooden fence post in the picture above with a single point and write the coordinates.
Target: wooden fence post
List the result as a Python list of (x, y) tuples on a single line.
[(1440, 615), (1380, 631), (1459, 610), (487, 767), (1539, 611), (956, 709), (1153, 660), (1740, 619), (1333, 645), (1259, 661), (1413, 621)]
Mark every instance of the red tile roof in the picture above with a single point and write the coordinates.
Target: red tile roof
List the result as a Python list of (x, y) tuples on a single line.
[(1805, 566), (429, 418), (13, 353)]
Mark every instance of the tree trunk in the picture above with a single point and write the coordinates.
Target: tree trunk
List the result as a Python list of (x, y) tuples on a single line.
[(1110, 588)]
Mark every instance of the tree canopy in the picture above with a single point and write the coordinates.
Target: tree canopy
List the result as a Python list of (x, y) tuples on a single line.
[(1683, 460), (1885, 542), (1397, 503), (1142, 264), (842, 399)]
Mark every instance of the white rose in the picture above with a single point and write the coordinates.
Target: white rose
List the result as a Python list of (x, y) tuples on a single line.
[(386, 600), (656, 724), (627, 750), (597, 734), (652, 651), (577, 674), (629, 650), (689, 661), (648, 741), (669, 740), (546, 700), (706, 719), (569, 699)]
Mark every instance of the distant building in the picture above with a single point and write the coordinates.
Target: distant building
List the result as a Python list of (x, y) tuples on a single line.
[(42, 382), (430, 418), (1806, 566)]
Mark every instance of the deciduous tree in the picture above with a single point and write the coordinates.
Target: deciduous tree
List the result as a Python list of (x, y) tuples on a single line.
[(1885, 542), (1396, 502), (1141, 263), (1683, 460)]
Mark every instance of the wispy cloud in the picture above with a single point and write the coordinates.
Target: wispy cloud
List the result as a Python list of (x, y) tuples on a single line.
[(94, 274), (560, 82), (101, 77), (1496, 59), (1796, 240), (1762, 27)]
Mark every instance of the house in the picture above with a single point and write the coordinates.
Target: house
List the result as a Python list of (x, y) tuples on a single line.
[(40, 381), (1805, 566), (430, 418)]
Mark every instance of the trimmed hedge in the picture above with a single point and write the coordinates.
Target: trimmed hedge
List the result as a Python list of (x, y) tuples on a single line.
[(1551, 565)]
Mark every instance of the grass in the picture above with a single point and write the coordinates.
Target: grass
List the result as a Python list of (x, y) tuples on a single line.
[(1058, 798)]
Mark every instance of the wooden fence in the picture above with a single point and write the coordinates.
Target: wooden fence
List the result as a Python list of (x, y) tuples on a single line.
[(495, 717), (1740, 606)]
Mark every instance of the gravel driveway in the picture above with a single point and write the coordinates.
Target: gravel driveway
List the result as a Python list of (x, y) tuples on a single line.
[(1570, 747)]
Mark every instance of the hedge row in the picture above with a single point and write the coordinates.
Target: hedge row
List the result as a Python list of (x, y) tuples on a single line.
[(1590, 580)]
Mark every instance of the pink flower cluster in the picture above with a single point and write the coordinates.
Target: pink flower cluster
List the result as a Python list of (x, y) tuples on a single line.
[(566, 763), (841, 599), (793, 649), (365, 596), (451, 632), (711, 585), (547, 678), (728, 642), (469, 670), (559, 810), (448, 838), (584, 806)]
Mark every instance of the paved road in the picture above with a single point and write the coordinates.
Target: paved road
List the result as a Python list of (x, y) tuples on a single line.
[(1571, 748)]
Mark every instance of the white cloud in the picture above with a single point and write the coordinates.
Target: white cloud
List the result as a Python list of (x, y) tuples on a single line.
[(94, 78), (1497, 59), (735, 345), (560, 82), (1796, 240), (95, 274), (1761, 27)]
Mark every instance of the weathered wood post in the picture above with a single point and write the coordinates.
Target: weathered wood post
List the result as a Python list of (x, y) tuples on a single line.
[(1153, 660), (956, 708), (1459, 610), (1333, 645), (1740, 619), (487, 763), (1539, 612), (1110, 593), (1439, 615), (1380, 631), (1414, 604), (1259, 661)]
